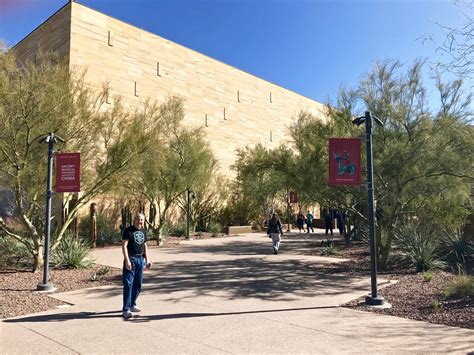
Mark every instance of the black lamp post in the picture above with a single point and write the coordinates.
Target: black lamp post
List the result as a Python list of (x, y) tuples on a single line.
[(50, 139), (373, 299), (189, 195)]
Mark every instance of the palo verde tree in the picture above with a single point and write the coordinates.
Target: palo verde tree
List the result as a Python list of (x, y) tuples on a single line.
[(423, 158), (178, 159), (265, 176), (42, 97)]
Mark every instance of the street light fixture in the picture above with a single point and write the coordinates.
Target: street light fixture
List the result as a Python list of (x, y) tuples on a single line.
[(50, 139), (373, 299)]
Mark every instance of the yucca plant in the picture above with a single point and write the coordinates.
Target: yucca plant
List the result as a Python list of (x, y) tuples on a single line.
[(71, 253), (417, 247), (457, 247)]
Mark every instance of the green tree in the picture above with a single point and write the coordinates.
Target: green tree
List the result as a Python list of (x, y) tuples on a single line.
[(179, 159), (265, 176), (37, 98)]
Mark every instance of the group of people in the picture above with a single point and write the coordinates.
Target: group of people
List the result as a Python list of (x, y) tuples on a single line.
[(135, 251), (301, 219)]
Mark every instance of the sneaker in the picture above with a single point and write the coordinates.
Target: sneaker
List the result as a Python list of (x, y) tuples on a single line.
[(126, 314), (135, 309)]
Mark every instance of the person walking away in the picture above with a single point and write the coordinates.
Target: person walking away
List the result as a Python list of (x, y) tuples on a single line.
[(328, 222), (300, 222), (341, 222), (275, 231), (135, 255), (309, 221)]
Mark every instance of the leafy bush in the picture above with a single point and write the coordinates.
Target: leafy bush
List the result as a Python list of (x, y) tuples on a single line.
[(427, 276), (457, 247), (179, 229), (12, 252), (106, 233), (417, 247), (463, 286), (71, 253)]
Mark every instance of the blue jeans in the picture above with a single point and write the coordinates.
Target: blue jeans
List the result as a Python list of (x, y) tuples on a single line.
[(132, 282)]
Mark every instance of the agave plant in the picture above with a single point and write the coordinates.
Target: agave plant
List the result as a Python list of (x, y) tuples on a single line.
[(417, 247), (71, 253)]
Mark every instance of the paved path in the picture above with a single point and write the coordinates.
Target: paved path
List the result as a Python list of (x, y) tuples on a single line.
[(228, 295)]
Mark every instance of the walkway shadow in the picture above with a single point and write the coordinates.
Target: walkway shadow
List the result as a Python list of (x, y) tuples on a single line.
[(61, 317)]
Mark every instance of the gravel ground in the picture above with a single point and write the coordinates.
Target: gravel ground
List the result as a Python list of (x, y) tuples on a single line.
[(410, 296)]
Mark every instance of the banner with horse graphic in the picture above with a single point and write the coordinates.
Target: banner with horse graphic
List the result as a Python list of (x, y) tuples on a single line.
[(344, 161)]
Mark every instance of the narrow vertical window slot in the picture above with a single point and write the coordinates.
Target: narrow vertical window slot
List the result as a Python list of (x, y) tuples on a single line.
[(109, 39), (205, 121), (238, 96), (271, 136), (135, 89), (158, 69), (225, 117), (271, 97)]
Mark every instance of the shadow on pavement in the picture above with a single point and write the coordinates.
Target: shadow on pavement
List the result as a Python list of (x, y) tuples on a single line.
[(61, 317)]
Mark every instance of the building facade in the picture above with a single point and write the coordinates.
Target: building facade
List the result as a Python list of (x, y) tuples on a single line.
[(235, 108)]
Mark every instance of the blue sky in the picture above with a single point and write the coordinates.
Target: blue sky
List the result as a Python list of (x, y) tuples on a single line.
[(308, 46)]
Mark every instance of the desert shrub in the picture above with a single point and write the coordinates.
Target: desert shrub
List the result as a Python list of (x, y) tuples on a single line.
[(463, 286), (12, 252), (329, 248), (214, 228), (457, 247), (106, 233), (427, 276), (417, 247), (239, 211), (71, 253), (436, 305), (179, 229)]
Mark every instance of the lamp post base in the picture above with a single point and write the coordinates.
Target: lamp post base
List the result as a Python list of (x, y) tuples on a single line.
[(374, 301), (47, 287)]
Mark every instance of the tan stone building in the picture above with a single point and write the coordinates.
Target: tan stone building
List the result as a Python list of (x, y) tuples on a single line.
[(236, 108)]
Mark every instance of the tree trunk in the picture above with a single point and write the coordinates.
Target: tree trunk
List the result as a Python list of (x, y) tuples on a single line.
[(38, 259)]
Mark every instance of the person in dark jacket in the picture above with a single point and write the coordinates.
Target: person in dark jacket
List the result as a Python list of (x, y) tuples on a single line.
[(341, 222), (300, 222), (275, 231), (328, 221)]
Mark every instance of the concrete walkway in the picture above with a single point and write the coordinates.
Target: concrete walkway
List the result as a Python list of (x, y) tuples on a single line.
[(228, 295)]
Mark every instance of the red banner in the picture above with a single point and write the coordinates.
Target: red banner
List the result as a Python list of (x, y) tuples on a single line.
[(68, 167), (293, 197), (344, 161)]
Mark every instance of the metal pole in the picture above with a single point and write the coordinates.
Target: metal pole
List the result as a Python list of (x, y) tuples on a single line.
[(373, 299), (45, 286), (187, 214), (289, 212)]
